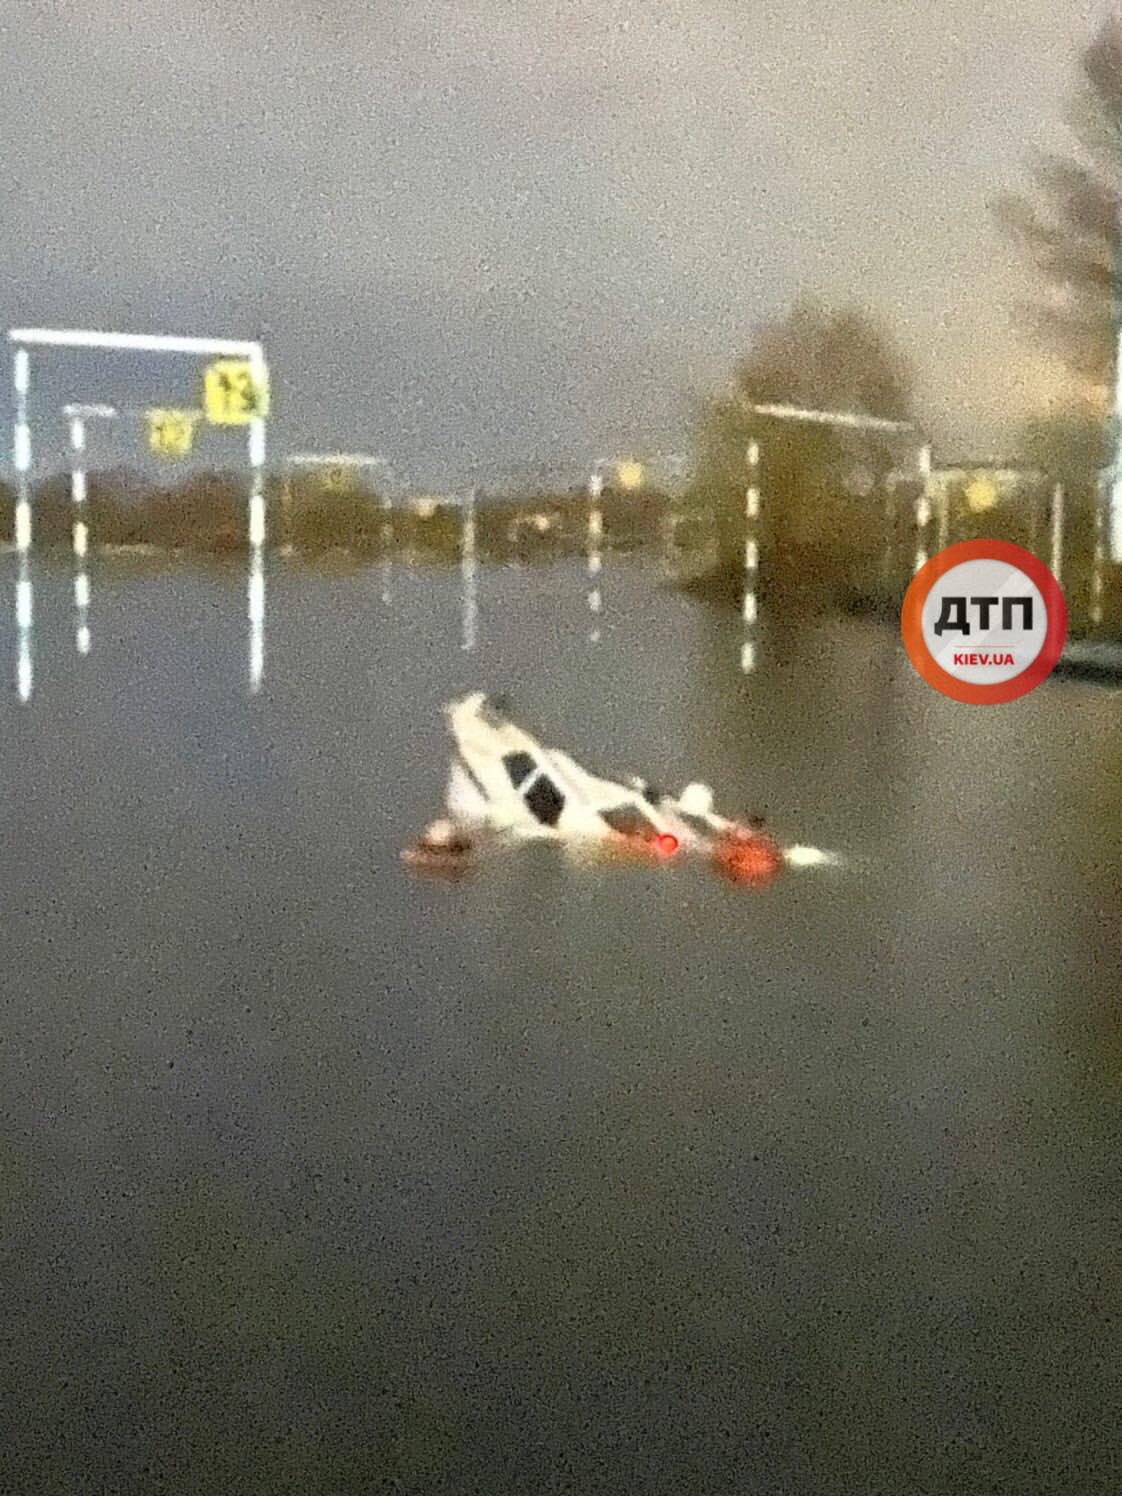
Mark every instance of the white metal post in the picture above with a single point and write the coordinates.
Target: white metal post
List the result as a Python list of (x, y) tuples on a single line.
[(257, 444), (77, 417), (854, 419), (944, 516), (21, 449), (1056, 559), (1097, 564), (923, 506), (386, 541), (469, 573), (366, 460), (24, 621), (53, 337), (858, 422), (21, 455), (257, 530), (1115, 516), (595, 539), (24, 337), (80, 531), (750, 607), (669, 534), (256, 611), (889, 555)]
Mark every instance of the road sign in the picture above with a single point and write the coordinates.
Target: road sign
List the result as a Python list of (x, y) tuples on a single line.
[(171, 432), (981, 495), (234, 393), (984, 622)]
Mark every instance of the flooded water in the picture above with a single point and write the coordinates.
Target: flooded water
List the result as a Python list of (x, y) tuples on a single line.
[(320, 1179)]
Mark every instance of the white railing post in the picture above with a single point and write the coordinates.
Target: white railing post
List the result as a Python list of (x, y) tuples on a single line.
[(1057, 555), (23, 338), (21, 456), (21, 448), (923, 506), (468, 573), (257, 534), (78, 418), (386, 541), (750, 604), (80, 531), (856, 421), (1097, 563), (595, 562)]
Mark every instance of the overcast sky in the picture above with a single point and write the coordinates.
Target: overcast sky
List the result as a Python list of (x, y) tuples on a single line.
[(474, 229)]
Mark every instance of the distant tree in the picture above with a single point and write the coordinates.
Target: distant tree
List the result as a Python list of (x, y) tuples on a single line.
[(814, 507), (1069, 226), (1068, 447), (842, 360), (318, 517), (207, 513)]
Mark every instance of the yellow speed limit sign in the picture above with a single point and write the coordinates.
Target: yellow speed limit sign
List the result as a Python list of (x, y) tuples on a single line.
[(234, 393), (171, 432), (981, 494), (629, 474)]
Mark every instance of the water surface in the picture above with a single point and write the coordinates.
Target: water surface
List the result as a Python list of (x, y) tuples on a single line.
[(320, 1179)]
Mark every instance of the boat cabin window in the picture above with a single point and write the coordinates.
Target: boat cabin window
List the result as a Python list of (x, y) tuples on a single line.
[(696, 823), (545, 800), (519, 766), (629, 820)]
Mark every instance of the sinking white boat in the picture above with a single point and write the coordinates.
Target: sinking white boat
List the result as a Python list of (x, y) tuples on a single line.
[(503, 784)]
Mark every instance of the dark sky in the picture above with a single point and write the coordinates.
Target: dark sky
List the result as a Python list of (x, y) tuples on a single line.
[(474, 230)]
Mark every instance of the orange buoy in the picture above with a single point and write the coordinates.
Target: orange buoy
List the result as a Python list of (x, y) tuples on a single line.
[(436, 863), (441, 850), (748, 857)]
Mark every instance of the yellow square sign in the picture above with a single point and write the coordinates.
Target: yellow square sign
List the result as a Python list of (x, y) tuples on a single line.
[(233, 395), (171, 432)]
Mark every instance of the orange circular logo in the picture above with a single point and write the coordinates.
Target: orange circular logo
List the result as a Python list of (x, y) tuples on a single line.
[(984, 622)]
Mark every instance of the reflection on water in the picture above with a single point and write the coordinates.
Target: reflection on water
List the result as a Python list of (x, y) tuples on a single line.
[(82, 607), (256, 599), (256, 619), (81, 587), (749, 608), (82, 593), (25, 618), (561, 1178), (469, 577)]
